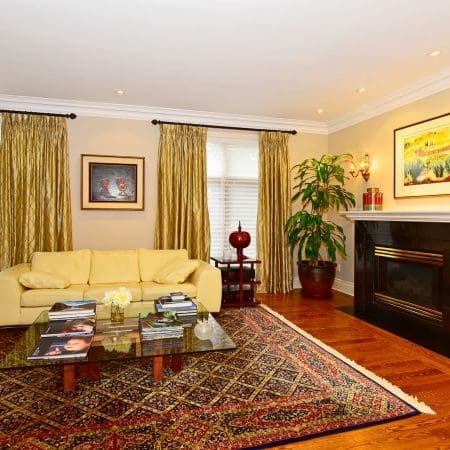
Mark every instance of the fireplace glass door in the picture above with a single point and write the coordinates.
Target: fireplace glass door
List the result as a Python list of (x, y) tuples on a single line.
[(409, 280)]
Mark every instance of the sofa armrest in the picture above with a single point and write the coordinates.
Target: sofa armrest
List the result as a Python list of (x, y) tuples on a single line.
[(10, 293), (208, 282)]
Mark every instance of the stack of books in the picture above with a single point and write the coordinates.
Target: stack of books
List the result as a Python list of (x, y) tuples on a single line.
[(72, 309), (160, 326), (181, 304), (70, 338)]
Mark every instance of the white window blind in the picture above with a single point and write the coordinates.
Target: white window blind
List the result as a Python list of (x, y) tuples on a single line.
[(232, 169)]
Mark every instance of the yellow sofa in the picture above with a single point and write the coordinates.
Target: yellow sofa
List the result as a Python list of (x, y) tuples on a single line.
[(27, 289)]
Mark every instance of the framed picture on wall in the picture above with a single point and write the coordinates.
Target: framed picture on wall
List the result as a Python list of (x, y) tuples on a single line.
[(112, 182), (422, 158)]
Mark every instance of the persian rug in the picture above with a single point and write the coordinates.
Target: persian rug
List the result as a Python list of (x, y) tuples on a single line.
[(279, 385)]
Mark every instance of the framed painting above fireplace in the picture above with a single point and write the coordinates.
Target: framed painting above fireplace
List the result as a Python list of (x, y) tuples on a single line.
[(422, 158), (112, 182)]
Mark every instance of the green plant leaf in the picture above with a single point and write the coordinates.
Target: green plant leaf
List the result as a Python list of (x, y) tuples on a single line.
[(320, 187)]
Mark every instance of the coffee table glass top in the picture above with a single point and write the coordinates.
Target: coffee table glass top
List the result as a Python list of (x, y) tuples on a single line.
[(119, 341)]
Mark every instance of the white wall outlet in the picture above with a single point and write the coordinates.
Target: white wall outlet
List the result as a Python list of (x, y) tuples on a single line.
[(338, 267)]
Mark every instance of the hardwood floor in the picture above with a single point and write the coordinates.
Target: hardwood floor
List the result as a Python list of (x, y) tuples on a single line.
[(416, 370)]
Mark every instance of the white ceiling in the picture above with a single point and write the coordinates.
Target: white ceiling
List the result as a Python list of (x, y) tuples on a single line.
[(283, 58)]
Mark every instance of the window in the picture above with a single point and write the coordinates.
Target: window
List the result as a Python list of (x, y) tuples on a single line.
[(232, 170)]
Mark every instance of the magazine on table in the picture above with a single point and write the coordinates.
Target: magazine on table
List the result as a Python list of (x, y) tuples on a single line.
[(186, 306), (57, 347), (178, 303), (72, 309), (176, 335), (84, 325), (159, 321), (175, 296)]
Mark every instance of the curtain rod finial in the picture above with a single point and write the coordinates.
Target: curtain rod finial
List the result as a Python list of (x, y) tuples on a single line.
[(155, 122)]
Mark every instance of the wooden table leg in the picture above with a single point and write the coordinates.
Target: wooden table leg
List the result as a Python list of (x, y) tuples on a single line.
[(158, 368), (69, 377), (177, 362)]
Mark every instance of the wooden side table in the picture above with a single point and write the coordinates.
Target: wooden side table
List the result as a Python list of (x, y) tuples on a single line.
[(238, 281)]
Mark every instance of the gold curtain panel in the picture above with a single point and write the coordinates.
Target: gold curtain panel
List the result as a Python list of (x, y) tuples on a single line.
[(182, 218), (274, 207), (35, 202)]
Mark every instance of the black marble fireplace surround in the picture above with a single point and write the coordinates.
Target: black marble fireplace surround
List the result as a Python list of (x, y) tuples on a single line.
[(402, 279)]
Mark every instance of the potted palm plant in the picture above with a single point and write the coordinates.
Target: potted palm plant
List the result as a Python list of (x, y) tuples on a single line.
[(320, 188)]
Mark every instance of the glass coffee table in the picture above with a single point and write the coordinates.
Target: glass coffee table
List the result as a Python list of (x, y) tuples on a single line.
[(122, 341)]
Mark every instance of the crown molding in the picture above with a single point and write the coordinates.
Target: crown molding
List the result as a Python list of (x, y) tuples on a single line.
[(408, 94), (136, 112)]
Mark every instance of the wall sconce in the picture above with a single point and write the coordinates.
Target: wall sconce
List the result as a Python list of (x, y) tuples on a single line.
[(363, 168)]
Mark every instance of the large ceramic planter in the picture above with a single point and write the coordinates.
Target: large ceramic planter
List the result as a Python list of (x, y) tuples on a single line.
[(317, 281)]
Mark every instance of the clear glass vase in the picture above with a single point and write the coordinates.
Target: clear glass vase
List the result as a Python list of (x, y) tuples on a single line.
[(117, 313)]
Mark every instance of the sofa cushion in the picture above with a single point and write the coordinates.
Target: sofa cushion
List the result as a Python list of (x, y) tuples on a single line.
[(74, 265), (176, 272), (152, 290), (151, 261), (114, 266), (97, 291), (47, 297), (43, 280)]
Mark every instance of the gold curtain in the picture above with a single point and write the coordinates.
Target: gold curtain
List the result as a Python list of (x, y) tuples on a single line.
[(274, 208), (35, 203), (182, 218)]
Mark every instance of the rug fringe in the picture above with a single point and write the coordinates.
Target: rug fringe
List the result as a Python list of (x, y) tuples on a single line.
[(411, 400)]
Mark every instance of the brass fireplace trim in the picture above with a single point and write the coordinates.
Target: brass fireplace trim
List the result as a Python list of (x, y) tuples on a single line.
[(432, 259), (417, 310)]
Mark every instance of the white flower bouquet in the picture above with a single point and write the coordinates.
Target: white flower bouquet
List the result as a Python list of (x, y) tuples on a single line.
[(119, 297)]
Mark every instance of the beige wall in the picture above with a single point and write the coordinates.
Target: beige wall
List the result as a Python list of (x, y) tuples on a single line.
[(302, 146), (375, 136), (131, 229), (113, 229)]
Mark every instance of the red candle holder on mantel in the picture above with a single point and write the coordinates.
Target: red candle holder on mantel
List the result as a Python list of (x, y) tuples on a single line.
[(372, 200), (239, 240)]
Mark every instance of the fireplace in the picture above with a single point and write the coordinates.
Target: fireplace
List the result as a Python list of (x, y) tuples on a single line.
[(409, 281), (402, 279)]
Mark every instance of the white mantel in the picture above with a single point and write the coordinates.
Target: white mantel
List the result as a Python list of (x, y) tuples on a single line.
[(398, 215)]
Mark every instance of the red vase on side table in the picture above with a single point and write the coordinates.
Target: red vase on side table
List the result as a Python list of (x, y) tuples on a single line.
[(239, 240)]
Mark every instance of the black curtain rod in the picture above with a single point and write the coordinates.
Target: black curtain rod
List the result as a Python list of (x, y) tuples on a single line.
[(68, 116), (223, 127)]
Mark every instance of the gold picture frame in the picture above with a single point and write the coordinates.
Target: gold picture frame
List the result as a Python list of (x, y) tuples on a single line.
[(422, 158), (112, 182)]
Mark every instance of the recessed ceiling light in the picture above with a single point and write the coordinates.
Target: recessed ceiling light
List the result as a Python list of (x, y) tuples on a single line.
[(319, 111), (120, 92), (361, 90), (434, 53)]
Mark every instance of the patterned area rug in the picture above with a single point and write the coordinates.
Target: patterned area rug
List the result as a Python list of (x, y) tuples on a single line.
[(278, 386)]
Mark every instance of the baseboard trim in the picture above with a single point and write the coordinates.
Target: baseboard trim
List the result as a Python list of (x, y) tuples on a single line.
[(347, 287)]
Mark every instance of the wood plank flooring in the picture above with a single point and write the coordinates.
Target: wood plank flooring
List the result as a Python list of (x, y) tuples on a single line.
[(416, 370)]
